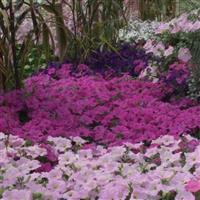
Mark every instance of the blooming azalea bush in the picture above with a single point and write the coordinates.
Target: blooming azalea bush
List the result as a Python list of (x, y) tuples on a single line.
[(169, 41), (182, 33), (170, 49), (166, 168)]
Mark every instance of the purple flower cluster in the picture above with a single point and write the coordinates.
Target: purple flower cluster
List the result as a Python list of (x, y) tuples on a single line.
[(178, 73), (177, 77), (105, 111), (123, 61)]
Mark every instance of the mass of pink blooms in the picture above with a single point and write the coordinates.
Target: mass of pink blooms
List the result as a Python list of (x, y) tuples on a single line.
[(168, 168), (105, 111), (75, 136)]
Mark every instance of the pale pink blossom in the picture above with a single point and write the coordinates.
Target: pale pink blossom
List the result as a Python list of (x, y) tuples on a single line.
[(169, 51), (184, 54), (17, 195)]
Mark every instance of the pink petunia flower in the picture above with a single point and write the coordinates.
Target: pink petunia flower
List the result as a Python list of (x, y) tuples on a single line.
[(193, 186), (184, 55)]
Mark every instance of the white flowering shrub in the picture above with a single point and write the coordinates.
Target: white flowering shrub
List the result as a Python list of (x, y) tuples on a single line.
[(137, 30)]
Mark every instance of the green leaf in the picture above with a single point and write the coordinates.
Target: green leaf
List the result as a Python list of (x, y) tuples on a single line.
[(48, 8)]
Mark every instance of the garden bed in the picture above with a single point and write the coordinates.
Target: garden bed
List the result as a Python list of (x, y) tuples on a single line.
[(118, 120)]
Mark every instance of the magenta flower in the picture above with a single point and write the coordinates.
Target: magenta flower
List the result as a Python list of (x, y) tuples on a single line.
[(193, 186)]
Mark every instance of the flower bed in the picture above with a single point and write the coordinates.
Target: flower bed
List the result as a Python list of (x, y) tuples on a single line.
[(104, 111), (168, 168), (118, 127)]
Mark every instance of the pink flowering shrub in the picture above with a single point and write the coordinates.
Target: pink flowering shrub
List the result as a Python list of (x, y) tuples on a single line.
[(173, 62), (177, 41), (163, 170), (105, 111), (187, 22)]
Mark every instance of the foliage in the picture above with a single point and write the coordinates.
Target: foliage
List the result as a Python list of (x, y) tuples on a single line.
[(95, 24), (22, 29), (194, 82), (157, 9), (188, 5), (43, 26), (36, 61)]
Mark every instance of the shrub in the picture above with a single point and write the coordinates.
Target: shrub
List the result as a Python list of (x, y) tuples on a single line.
[(125, 60)]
